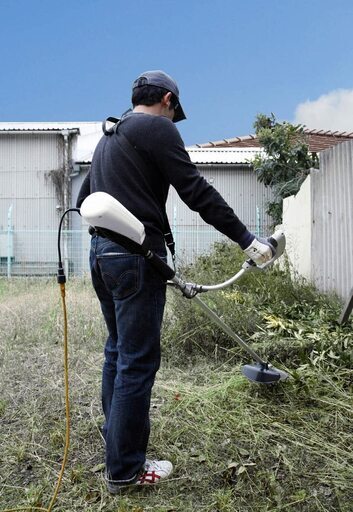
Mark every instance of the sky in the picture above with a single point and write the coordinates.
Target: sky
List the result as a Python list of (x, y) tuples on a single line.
[(75, 60)]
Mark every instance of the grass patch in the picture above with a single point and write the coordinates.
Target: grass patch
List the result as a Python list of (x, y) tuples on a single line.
[(235, 446)]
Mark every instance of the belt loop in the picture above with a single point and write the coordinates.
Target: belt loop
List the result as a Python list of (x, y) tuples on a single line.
[(94, 243)]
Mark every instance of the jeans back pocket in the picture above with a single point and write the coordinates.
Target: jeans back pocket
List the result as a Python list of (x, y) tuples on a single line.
[(120, 273)]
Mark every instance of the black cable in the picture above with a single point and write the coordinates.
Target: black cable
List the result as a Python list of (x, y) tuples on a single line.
[(61, 274)]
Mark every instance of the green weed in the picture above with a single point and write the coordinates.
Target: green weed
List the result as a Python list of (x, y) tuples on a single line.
[(290, 322)]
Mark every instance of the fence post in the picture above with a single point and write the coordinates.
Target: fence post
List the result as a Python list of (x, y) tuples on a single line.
[(175, 224), (347, 309), (9, 241), (257, 227)]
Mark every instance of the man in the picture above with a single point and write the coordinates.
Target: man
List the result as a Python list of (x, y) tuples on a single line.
[(136, 163)]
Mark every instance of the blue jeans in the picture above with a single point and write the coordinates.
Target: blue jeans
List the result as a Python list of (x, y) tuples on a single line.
[(132, 299)]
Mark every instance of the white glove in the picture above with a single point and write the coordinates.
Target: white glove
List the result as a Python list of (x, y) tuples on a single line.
[(260, 251)]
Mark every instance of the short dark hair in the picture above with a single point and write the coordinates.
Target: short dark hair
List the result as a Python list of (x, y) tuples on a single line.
[(149, 95)]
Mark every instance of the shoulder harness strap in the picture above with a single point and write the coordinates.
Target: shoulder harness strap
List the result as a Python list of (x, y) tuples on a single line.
[(110, 127)]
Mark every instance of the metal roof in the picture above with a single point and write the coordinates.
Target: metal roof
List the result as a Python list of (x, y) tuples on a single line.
[(37, 130), (91, 131), (88, 134), (47, 125), (317, 140), (223, 155)]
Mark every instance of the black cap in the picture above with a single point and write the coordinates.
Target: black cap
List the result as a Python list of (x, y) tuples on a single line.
[(160, 79)]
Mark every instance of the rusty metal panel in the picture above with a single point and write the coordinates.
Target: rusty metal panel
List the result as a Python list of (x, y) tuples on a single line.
[(332, 217)]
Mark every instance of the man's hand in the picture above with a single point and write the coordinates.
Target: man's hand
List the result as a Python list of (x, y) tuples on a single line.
[(260, 251)]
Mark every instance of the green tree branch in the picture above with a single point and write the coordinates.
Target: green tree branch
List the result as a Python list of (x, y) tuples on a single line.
[(287, 160)]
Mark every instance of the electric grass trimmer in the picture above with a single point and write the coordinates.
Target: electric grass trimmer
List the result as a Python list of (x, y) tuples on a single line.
[(112, 220)]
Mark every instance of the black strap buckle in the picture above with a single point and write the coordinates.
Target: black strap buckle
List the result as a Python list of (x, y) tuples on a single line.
[(109, 125)]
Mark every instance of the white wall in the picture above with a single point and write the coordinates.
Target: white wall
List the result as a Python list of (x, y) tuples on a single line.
[(297, 225)]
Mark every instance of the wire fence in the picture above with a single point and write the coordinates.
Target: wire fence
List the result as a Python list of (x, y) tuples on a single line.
[(34, 252)]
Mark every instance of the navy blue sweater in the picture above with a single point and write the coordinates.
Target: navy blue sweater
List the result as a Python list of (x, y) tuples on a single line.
[(144, 191)]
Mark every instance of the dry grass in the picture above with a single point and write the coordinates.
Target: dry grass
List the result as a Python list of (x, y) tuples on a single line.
[(235, 446)]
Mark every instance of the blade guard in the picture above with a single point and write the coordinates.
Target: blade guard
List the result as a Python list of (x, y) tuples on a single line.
[(263, 374), (104, 211)]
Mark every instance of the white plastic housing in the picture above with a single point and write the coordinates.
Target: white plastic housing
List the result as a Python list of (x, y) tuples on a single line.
[(280, 238), (104, 211)]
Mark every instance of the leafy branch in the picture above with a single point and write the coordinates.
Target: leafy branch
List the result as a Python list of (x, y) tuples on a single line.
[(287, 161)]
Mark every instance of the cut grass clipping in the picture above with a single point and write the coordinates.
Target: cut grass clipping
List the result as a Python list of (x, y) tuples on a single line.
[(235, 446)]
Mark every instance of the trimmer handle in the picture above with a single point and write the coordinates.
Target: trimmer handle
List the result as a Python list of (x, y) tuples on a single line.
[(278, 244), (271, 240)]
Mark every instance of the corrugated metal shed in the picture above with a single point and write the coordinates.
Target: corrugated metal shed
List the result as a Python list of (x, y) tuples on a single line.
[(83, 146), (332, 235), (31, 154), (30, 151), (26, 160)]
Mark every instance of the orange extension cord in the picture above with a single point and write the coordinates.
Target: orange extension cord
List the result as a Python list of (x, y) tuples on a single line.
[(67, 407)]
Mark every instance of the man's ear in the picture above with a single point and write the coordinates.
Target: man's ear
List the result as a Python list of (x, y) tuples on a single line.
[(166, 99)]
